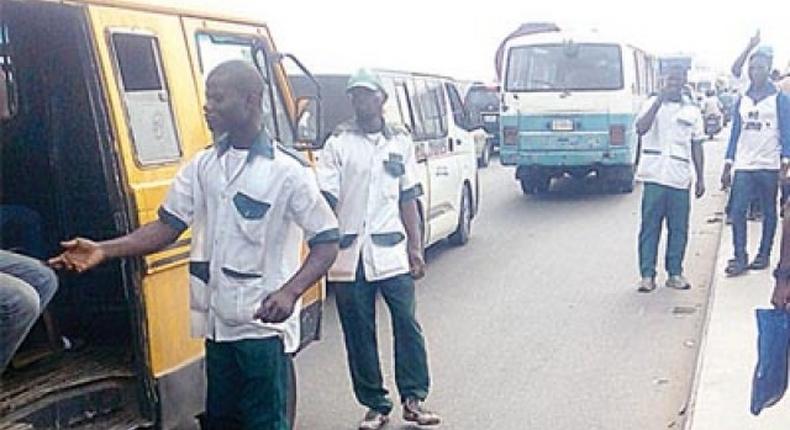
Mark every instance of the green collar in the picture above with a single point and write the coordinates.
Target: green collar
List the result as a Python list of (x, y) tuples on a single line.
[(262, 146)]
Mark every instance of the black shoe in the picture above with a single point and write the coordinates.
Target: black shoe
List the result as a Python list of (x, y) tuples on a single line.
[(760, 262), (736, 267)]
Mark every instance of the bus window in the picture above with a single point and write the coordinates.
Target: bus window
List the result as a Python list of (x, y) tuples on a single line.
[(214, 49), (146, 98), (564, 67)]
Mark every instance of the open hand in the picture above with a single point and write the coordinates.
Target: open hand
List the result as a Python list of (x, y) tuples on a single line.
[(80, 255)]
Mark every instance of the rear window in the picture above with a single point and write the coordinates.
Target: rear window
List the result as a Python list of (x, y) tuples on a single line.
[(564, 67), (482, 100)]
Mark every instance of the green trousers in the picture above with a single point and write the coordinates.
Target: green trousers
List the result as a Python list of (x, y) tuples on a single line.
[(661, 203), (247, 384), (356, 305)]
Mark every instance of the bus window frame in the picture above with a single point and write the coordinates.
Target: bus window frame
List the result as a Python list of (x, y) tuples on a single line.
[(120, 86), (256, 44)]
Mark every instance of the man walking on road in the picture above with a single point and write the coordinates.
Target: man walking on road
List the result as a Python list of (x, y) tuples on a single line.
[(367, 172), (671, 128), (758, 149), (246, 199)]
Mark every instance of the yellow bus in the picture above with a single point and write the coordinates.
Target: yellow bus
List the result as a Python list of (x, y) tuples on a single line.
[(104, 104)]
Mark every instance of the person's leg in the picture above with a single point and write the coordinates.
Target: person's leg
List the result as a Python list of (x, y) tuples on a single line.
[(264, 390), (411, 358), (223, 382), (33, 272), (767, 190), (678, 206), (741, 198), (19, 309), (653, 211), (356, 306)]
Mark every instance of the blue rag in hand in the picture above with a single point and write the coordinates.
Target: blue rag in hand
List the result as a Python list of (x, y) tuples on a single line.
[(770, 376)]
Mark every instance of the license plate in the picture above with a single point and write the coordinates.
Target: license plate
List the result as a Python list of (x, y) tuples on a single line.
[(562, 125), (489, 118)]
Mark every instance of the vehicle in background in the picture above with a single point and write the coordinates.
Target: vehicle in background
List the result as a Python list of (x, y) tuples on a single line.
[(99, 124), (569, 105), (482, 103), (431, 109)]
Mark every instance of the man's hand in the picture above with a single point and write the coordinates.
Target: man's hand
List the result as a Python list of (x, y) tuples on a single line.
[(277, 307), (781, 296), (783, 179), (80, 255), (416, 264), (699, 190), (755, 40), (726, 177)]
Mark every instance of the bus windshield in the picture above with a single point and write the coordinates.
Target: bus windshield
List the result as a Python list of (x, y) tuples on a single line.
[(564, 67)]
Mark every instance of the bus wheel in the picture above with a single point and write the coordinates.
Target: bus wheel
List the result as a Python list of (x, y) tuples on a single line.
[(526, 186), (485, 156), (290, 405), (461, 235)]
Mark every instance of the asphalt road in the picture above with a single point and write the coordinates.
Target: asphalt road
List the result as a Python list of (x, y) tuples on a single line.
[(536, 322)]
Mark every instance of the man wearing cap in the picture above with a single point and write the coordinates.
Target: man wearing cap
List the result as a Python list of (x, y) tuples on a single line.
[(367, 171), (249, 202), (671, 128), (759, 148)]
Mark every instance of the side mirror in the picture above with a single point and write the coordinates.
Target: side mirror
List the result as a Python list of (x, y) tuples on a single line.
[(307, 124)]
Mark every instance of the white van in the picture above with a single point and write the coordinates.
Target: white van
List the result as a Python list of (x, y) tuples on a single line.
[(431, 108)]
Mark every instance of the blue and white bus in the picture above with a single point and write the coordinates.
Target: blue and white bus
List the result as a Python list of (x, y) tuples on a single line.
[(569, 104)]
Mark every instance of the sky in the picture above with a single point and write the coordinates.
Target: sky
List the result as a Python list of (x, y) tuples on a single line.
[(459, 38)]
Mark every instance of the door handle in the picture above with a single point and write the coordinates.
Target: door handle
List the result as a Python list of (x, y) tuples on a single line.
[(443, 171)]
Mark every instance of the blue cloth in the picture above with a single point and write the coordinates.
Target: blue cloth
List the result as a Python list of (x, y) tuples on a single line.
[(770, 375), (783, 114)]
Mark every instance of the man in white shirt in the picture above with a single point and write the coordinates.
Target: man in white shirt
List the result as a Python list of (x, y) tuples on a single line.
[(671, 128), (249, 201), (367, 171), (759, 147)]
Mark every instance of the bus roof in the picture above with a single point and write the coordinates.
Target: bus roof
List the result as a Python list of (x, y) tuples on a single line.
[(588, 36), (237, 11)]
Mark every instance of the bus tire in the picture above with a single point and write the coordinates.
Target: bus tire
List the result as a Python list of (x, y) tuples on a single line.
[(485, 156), (461, 234)]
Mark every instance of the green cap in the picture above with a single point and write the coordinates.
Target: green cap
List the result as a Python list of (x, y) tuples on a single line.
[(365, 78)]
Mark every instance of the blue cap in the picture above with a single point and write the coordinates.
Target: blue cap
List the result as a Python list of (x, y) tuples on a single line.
[(764, 51)]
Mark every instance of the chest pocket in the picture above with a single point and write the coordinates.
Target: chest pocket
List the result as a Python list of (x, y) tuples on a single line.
[(250, 217), (394, 169)]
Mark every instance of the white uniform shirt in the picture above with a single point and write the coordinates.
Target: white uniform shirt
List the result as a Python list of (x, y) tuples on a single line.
[(247, 232), (365, 177), (666, 147), (758, 142)]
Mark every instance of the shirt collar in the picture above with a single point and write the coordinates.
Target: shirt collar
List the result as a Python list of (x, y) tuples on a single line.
[(261, 147), (387, 131)]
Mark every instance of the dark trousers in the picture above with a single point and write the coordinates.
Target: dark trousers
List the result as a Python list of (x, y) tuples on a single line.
[(247, 384), (356, 304), (760, 184), (660, 202)]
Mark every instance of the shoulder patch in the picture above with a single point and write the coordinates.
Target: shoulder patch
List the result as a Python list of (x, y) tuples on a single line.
[(293, 154)]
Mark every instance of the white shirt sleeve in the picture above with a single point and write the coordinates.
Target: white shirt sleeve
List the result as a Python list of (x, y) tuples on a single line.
[(698, 130), (178, 209), (328, 170), (308, 208), (409, 182)]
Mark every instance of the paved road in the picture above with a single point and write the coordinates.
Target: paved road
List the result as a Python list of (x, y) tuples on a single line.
[(536, 323)]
